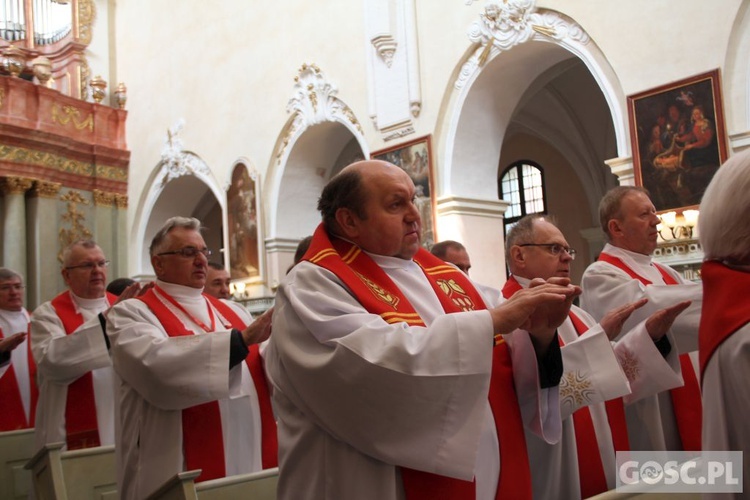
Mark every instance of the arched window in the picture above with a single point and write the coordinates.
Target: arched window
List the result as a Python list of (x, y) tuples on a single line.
[(522, 185)]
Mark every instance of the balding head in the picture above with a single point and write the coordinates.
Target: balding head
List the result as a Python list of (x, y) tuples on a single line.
[(371, 203)]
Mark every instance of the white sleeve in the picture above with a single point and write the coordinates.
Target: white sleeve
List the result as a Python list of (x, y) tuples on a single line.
[(64, 358), (405, 395), (171, 373), (605, 288)]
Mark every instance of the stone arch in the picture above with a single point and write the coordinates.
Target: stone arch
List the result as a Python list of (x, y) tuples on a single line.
[(321, 137), (180, 184), (507, 68), (737, 81)]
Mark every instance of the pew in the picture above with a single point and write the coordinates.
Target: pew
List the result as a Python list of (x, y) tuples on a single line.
[(16, 448), (72, 475), (254, 486)]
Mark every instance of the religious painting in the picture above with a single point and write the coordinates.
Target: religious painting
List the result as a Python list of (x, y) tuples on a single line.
[(243, 208), (679, 140), (415, 158)]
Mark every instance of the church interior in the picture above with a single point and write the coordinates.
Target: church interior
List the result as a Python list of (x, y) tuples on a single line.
[(115, 116)]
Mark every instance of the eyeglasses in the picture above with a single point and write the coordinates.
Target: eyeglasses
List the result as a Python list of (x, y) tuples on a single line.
[(8, 288), (188, 252), (89, 266), (553, 248)]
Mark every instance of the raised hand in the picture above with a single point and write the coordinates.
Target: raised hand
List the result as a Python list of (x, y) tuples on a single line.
[(661, 321), (612, 321), (537, 309), (9, 343), (259, 330)]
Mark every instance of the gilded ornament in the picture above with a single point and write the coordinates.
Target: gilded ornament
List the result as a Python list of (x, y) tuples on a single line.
[(98, 88), (2, 97), (86, 17), (45, 189), (15, 185), (14, 60), (121, 95), (75, 219), (121, 200), (72, 114), (103, 198)]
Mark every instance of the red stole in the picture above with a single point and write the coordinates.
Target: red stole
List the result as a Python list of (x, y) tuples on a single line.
[(269, 439), (378, 294), (724, 312), (202, 436), (686, 400), (81, 427), (13, 415), (591, 475)]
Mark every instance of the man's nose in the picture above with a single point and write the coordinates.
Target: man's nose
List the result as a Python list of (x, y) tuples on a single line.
[(412, 214)]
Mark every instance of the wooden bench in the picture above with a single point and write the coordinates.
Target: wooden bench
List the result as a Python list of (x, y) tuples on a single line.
[(74, 475), (254, 486), (16, 448)]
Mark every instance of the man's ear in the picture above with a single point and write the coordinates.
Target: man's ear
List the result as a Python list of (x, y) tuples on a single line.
[(348, 223), (614, 226), (156, 264), (517, 257)]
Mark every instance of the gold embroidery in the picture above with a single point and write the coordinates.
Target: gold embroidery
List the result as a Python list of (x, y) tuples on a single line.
[(628, 363), (457, 294), (575, 389), (381, 293)]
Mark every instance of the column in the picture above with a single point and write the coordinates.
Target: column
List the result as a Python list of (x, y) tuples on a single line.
[(623, 168), (43, 281), (14, 222), (478, 225), (104, 227), (120, 244)]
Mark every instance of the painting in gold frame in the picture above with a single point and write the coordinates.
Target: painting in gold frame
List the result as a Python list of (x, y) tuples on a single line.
[(679, 140)]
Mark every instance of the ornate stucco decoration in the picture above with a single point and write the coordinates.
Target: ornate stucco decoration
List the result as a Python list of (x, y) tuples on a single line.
[(503, 25), (75, 219), (86, 17), (70, 114), (15, 185), (175, 162), (314, 101), (103, 198), (45, 189), (385, 45)]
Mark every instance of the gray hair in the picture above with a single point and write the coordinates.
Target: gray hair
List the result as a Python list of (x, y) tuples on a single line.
[(160, 238), (723, 225), (85, 243), (610, 206), (523, 231), (7, 274)]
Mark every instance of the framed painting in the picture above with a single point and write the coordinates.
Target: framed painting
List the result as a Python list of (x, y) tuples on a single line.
[(243, 209), (415, 158), (679, 140)]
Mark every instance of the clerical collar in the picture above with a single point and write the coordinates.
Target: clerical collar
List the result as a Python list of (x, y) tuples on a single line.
[(9, 316), (180, 292), (522, 281), (93, 304), (393, 262), (638, 258)]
